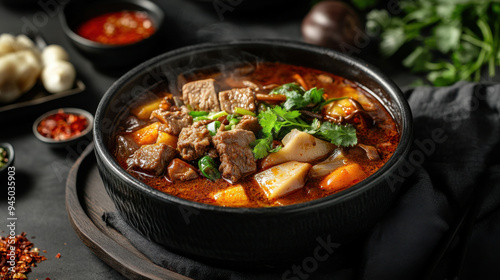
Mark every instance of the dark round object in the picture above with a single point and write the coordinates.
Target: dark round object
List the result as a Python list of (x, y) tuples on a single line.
[(254, 237), (4, 171), (75, 12), (332, 24)]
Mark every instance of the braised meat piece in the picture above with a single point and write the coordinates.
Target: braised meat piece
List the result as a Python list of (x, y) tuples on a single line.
[(235, 153), (248, 122), (194, 141), (152, 158), (179, 170), (131, 123), (173, 121), (201, 95), (125, 146), (237, 97)]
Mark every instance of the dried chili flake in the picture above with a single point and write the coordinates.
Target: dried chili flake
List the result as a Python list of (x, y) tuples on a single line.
[(58, 255), (17, 256), (62, 126)]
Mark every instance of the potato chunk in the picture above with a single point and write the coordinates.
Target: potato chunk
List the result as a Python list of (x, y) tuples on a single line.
[(282, 179), (299, 146), (143, 112), (234, 196), (167, 138), (146, 135)]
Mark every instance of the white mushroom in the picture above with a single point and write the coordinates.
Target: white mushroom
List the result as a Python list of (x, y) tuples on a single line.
[(58, 76)]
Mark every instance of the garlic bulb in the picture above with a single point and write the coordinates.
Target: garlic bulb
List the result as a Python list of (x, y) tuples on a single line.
[(53, 53), (58, 76), (58, 73), (19, 72)]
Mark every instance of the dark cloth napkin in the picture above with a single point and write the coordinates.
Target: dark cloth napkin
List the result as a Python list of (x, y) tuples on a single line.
[(452, 185)]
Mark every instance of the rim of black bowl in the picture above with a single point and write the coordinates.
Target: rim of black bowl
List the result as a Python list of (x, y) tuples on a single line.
[(393, 163), (76, 111), (150, 6), (10, 152)]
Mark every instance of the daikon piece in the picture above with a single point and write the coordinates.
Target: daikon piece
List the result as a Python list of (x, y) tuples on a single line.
[(53, 53), (233, 196), (58, 76), (299, 146), (334, 161), (282, 179)]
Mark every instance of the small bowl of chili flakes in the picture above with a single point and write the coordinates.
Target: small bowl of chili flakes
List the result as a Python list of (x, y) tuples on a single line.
[(113, 33), (63, 127)]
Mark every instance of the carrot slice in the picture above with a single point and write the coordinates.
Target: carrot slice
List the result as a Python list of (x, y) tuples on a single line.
[(300, 80), (343, 177)]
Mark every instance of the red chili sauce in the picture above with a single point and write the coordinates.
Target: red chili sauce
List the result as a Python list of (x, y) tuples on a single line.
[(62, 126), (118, 28)]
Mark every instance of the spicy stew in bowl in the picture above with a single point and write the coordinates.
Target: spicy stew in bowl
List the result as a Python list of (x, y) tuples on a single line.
[(260, 135)]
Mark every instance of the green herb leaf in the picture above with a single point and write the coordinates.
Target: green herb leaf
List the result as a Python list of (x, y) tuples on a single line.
[(337, 134), (297, 97), (438, 34), (262, 147)]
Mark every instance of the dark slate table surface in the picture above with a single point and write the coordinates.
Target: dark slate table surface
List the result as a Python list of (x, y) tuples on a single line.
[(41, 171)]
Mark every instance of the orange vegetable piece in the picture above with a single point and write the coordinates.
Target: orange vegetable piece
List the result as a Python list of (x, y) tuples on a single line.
[(144, 112), (146, 135), (343, 177), (167, 138)]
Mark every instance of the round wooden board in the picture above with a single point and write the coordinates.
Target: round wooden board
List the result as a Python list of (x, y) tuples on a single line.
[(86, 201)]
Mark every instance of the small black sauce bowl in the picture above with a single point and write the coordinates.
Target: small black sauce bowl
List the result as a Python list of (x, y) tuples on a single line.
[(86, 133), (4, 171), (107, 56)]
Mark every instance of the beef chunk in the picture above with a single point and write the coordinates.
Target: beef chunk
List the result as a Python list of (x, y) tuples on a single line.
[(131, 123), (201, 95), (249, 123), (237, 97), (152, 158), (173, 121), (194, 141), (125, 146), (179, 170), (235, 153)]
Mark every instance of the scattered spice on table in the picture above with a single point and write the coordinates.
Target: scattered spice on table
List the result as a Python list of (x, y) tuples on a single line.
[(58, 255), (62, 126), (18, 256)]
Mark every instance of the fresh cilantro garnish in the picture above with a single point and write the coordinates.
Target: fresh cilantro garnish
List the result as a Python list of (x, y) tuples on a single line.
[(297, 97), (337, 134), (448, 41), (278, 121)]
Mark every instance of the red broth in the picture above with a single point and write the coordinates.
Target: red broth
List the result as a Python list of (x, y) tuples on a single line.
[(117, 28), (382, 135)]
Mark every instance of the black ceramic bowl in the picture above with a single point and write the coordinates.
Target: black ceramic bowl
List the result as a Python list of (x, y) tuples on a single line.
[(75, 12), (247, 236)]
